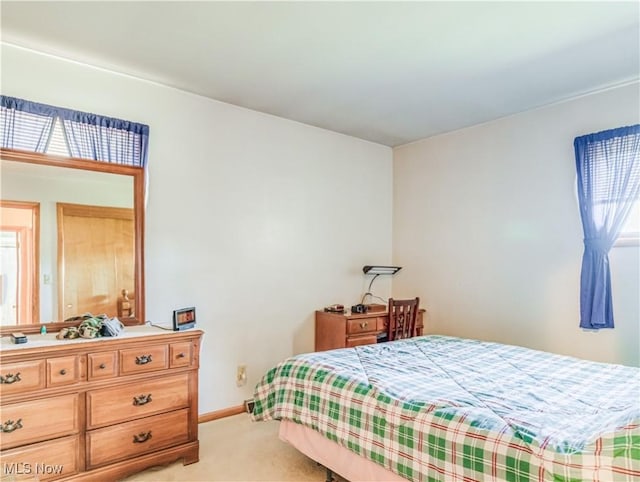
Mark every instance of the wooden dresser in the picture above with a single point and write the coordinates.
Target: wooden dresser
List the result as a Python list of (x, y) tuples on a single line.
[(98, 409), (343, 330)]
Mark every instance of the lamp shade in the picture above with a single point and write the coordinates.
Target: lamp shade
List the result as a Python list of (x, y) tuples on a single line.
[(381, 269)]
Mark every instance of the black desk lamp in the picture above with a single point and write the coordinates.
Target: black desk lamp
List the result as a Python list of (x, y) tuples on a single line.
[(377, 271)]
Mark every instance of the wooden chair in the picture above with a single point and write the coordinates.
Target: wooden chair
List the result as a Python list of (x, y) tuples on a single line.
[(402, 318)]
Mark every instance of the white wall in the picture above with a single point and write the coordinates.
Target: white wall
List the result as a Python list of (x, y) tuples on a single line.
[(256, 220), (486, 225)]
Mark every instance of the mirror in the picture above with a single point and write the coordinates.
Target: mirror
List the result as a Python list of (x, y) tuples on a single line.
[(79, 226)]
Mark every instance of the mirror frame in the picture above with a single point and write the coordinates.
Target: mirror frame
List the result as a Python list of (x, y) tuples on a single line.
[(138, 174)]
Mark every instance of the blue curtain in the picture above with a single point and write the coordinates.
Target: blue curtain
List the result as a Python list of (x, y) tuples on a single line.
[(88, 136), (106, 139), (26, 126), (608, 166)]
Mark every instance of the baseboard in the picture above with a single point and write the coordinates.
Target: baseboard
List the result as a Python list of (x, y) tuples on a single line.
[(225, 412)]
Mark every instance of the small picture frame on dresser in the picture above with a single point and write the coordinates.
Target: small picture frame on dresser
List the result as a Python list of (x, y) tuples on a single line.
[(184, 318)]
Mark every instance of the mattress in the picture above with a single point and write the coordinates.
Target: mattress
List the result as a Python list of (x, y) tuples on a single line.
[(443, 408)]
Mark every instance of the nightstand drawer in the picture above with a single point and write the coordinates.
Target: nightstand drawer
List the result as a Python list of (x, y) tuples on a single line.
[(42, 461), (38, 420), (22, 377), (144, 359), (130, 439), (361, 325), (135, 400)]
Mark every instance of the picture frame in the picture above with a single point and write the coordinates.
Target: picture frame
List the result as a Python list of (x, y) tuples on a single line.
[(184, 318)]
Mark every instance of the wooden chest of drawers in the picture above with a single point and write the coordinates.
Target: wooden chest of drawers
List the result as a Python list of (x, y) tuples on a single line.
[(344, 330), (98, 409)]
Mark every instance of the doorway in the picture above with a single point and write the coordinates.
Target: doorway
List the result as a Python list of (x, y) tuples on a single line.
[(19, 268)]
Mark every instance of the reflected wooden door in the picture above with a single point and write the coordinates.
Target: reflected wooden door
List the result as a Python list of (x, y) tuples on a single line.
[(95, 258)]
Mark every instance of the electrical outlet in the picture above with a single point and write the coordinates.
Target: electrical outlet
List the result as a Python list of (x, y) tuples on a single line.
[(241, 375)]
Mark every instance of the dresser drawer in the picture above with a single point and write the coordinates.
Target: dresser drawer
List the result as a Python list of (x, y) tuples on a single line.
[(102, 365), (361, 340), (38, 420), (135, 400), (382, 322), (361, 325), (42, 461), (22, 377), (126, 440), (63, 371), (180, 354), (143, 359)]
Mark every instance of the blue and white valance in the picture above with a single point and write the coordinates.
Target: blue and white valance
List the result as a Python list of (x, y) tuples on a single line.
[(28, 126)]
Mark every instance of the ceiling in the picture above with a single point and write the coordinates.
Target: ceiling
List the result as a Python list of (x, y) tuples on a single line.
[(388, 72)]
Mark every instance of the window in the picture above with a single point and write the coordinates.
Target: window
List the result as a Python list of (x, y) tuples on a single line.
[(57, 143), (608, 168), (28, 126), (630, 232)]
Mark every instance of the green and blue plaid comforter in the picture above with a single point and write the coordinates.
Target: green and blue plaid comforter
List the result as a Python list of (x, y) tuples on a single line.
[(438, 408)]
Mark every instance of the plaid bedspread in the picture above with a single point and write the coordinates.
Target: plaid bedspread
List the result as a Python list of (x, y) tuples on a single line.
[(439, 408)]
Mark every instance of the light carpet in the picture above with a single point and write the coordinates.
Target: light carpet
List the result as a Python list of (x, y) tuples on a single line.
[(237, 449)]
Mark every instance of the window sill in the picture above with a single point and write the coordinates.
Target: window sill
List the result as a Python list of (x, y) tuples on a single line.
[(627, 242)]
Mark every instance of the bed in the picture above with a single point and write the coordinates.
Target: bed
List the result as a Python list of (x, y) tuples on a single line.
[(438, 408)]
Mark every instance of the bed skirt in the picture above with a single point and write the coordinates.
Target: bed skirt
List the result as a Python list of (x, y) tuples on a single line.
[(333, 456)]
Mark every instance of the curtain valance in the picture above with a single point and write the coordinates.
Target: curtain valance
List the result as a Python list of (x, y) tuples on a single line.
[(28, 126)]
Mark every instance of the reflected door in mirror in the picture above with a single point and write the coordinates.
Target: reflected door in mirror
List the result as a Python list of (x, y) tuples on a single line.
[(18, 262), (96, 258)]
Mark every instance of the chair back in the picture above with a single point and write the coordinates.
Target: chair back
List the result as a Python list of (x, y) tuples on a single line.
[(402, 318)]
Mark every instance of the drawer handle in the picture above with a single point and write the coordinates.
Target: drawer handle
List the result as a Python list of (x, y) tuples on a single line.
[(141, 400), (10, 378), (181, 355), (141, 437), (102, 366), (143, 359), (364, 324), (9, 426), (63, 372)]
